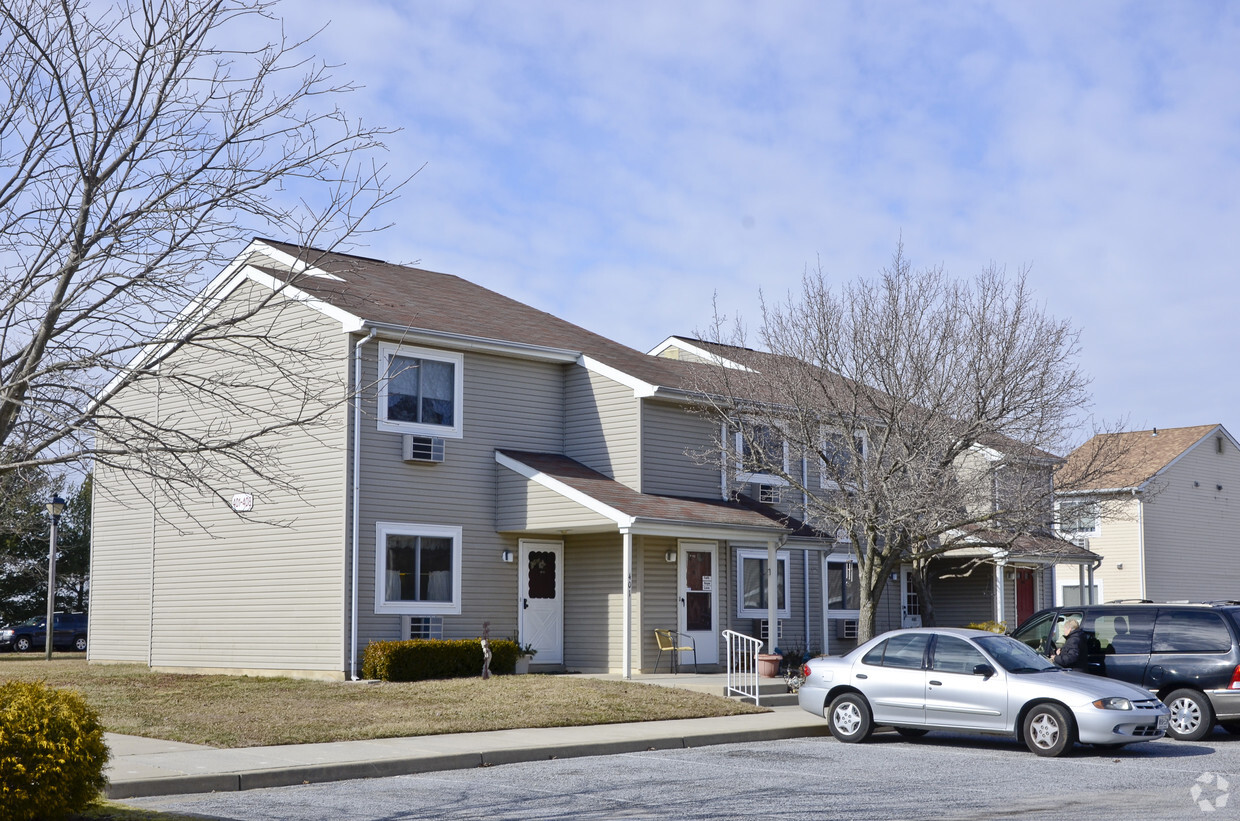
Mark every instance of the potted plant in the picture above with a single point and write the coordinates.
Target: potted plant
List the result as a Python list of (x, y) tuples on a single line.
[(525, 654)]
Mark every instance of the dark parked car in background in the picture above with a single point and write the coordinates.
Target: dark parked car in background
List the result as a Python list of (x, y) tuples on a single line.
[(1188, 654), (68, 633)]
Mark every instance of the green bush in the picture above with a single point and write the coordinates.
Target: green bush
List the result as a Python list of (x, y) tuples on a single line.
[(420, 659), (992, 626), (52, 752)]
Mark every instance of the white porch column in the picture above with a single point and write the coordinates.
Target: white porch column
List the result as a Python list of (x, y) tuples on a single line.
[(999, 566), (772, 594), (1084, 595), (627, 629), (1091, 586)]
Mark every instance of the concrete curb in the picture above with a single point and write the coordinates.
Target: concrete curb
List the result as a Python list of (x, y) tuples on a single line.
[(410, 765)]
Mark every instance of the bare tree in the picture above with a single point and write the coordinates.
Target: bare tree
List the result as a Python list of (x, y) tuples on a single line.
[(913, 413), (140, 142)]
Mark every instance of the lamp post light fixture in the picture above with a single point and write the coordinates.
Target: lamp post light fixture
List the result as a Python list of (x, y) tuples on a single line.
[(55, 508)]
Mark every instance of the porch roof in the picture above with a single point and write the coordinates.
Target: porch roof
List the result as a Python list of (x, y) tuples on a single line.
[(644, 513), (1023, 548)]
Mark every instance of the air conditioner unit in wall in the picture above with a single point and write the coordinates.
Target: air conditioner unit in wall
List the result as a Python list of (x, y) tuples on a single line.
[(422, 448), (846, 628)]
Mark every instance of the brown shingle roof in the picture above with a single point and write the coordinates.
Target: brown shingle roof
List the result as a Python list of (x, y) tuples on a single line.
[(1138, 456), (644, 505)]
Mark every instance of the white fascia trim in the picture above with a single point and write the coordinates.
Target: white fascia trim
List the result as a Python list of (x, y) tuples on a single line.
[(709, 356), (291, 262), (640, 387), (219, 289), (1186, 451), (622, 520), (462, 342), (710, 533), (986, 452)]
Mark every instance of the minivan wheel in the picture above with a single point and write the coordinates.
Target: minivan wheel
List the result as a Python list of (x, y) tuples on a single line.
[(1191, 716), (23, 644), (79, 644)]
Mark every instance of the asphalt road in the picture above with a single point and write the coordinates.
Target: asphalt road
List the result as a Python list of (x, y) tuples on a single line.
[(942, 776)]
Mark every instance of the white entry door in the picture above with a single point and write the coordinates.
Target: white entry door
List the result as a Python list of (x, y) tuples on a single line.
[(698, 570), (541, 602), (910, 609)]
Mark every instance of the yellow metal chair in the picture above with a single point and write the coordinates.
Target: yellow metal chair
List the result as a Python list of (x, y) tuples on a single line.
[(670, 640)]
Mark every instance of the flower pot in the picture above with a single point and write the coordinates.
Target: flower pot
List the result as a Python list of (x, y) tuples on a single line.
[(523, 665), (768, 665)]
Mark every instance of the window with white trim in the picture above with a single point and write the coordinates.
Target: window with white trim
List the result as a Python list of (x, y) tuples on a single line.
[(843, 588), (417, 569), (751, 584), (420, 390), (837, 459), (1078, 518), (756, 449)]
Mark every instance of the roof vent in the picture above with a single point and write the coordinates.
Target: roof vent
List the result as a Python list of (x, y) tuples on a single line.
[(422, 448)]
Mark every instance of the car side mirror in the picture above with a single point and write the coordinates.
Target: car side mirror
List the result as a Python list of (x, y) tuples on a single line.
[(983, 670)]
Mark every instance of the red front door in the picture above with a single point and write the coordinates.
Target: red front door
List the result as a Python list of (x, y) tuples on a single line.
[(1024, 595)]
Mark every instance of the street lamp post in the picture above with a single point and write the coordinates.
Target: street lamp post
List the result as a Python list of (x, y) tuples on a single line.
[(55, 508)]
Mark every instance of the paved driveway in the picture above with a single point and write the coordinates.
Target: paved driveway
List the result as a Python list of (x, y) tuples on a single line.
[(939, 776)]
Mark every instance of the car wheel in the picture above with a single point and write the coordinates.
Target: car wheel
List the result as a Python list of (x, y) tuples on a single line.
[(23, 644), (1191, 716), (1049, 730), (911, 732), (79, 644), (849, 718)]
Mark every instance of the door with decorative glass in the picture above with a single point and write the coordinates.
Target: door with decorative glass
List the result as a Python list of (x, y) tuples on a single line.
[(541, 603)]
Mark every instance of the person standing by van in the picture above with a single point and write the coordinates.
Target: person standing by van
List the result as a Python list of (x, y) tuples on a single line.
[(1072, 654)]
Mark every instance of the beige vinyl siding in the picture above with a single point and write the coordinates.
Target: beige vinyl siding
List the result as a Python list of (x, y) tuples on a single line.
[(1118, 543), (1192, 528), (660, 599), (594, 596), (507, 403), (602, 425), (264, 592), (528, 506), (670, 437), (122, 524)]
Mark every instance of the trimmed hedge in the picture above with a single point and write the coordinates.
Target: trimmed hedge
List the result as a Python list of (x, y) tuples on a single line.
[(421, 659), (52, 752)]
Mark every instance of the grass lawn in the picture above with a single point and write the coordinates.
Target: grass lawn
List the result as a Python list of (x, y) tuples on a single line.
[(233, 711)]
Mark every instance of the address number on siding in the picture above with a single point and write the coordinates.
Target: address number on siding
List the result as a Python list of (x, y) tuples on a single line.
[(243, 502)]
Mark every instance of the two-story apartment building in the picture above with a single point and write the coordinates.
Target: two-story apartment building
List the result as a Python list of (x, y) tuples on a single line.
[(1162, 518), (479, 462)]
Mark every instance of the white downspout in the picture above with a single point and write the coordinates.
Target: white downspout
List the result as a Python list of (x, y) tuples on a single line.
[(357, 492)]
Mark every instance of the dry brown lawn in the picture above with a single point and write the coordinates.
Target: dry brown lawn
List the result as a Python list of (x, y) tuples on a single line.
[(233, 711)]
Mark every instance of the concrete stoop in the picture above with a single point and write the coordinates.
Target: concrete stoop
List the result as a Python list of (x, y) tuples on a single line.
[(772, 692)]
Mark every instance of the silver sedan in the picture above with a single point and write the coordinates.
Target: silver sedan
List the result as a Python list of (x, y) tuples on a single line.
[(953, 679)]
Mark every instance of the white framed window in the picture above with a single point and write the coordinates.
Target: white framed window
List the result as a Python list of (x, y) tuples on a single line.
[(420, 390), (838, 459), (755, 450), (1078, 517), (417, 569), (843, 586), (751, 584)]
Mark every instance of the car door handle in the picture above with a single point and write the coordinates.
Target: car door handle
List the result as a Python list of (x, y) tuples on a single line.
[(936, 683), (862, 675)]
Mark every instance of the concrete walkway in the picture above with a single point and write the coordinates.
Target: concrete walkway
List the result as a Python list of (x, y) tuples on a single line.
[(146, 767)]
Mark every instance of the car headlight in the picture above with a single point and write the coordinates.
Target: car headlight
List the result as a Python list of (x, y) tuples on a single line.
[(6, 634), (1113, 703)]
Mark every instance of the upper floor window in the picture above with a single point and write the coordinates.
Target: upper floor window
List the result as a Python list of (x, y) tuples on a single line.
[(420, 391), (761, 454), (838, 460), (1078, 518)]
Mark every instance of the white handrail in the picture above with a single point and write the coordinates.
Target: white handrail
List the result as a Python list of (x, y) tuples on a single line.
[(742, 664)]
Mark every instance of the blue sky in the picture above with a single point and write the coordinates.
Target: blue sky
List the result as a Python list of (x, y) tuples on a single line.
[(617, 164)]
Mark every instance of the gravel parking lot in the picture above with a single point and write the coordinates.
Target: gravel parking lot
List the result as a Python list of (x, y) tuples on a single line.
[(940, 776)]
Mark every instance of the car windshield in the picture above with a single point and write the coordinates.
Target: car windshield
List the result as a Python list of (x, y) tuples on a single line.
[(1014, 656)]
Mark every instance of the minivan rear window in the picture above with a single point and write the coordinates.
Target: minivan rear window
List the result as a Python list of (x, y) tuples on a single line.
[(1189, 631)]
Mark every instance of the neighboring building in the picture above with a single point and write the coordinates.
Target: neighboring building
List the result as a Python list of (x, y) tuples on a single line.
[(502, 467), (1163, 519)]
